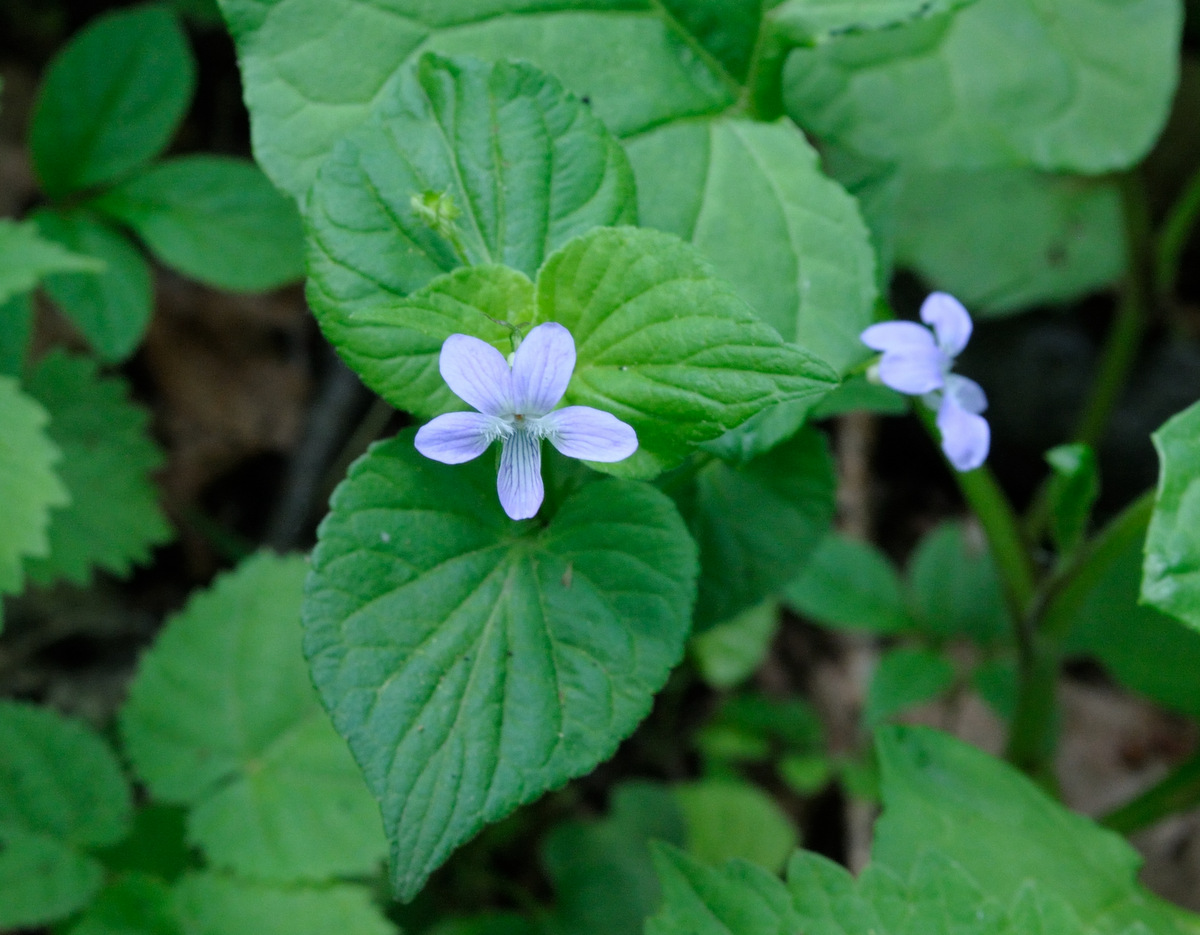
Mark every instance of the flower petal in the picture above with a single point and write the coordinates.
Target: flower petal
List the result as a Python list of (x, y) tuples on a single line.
[(949, 319), (967, 393), (899, 337), (456, 437), (912, 374), (520, 480), (477, 373), (542, 369), (590, 434), (966, 436)]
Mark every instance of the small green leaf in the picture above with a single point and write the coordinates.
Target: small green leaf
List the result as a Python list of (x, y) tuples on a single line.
[(811, 22), (906, 677), (1171, 573), (26, 258), (472, 662), (112, 308), (730, 652), (752, 199), (941, 795), (942, 92), (727, 819), (215, 219), (132, 905), (1132, 639), (665, 346), (737, 899), (209, 904), (222, 717), (588, 862), (16, 332), (111, 99), (1073, 489), (61, 794), (113, 518), (757, 525), (858, 394), (1007, 239), (29, 485), (954, 588), (851, 584), (525, 165)]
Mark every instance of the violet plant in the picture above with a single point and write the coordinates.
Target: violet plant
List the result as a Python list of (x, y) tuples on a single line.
[(652, 234)]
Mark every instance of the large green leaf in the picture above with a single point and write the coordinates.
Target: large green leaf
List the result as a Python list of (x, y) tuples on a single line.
[(26, 257), (821, 898), (660, 343), (215, 219), (941, 795), (653, 70), (304, 92), (1006, 239), (752, 197), (525, 166), (222, 717), (210, 904), (113, 518), (473, 663), (810, 22), (1171, 573), (112, 308), (758, 524), (111, 99), (61, 794), (1062, 85), (29, 486)]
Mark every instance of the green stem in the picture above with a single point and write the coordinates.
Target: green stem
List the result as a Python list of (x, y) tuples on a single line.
[(1178, 792), (762, 97), (1046, 626), (1124, 337), (1175, 233), (999, 522)]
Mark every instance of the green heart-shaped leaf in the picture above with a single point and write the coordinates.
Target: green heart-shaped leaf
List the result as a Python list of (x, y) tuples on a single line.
[(473, 663)]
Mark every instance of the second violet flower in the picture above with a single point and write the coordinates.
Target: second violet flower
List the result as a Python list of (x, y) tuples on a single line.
[(516, 406), (919, 362)]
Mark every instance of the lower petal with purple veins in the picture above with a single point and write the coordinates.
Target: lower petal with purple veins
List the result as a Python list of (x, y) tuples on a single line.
[(520, 480), (589, 434), (457, 436), (966, 436)]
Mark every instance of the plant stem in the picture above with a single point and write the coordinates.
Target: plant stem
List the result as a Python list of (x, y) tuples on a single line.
[(762, 97), (1176, 230), (1124, 337), (1046, 626), (1180, 790), (989, 504)]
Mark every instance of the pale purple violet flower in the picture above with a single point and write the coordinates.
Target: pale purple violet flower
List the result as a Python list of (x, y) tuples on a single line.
[(517, 406), (919, 363)]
